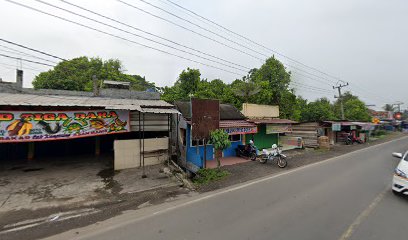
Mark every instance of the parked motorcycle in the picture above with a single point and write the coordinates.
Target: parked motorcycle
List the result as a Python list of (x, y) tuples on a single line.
[(350, 140), (247, 151), (274, 155)]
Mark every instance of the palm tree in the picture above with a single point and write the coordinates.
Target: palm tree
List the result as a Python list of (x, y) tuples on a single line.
[(246, 88), (388, 107)]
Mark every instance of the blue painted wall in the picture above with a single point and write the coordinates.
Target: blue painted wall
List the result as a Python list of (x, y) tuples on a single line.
[(230, 152), (197, 158), (191, 154)]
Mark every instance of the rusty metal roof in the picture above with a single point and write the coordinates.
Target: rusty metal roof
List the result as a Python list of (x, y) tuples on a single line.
[(272, 121), (227, 111), (160, 110), (20, 99), (235, 123)]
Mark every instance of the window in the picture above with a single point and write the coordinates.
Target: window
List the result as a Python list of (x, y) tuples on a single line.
[(197, 143), (234, 138)]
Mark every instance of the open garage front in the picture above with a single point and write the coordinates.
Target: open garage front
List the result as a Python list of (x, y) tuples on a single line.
[(38, 127)]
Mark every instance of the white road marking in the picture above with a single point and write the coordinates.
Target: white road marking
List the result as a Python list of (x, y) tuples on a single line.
[(363, 215), (58, 217)]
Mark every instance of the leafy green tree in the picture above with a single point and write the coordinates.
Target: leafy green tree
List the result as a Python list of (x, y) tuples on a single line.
[(219, 139), (299, 108), (186, 86), (355, 109), (273, 80), (76, 74), (319, 110)]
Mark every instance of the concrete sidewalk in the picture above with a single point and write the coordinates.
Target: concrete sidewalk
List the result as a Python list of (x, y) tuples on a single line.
[(63, 183)]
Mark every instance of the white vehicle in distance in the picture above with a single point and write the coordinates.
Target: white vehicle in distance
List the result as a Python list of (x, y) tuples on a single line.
[(400, 180)]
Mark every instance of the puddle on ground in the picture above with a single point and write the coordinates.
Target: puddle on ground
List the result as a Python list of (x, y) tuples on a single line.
[(109, 183)]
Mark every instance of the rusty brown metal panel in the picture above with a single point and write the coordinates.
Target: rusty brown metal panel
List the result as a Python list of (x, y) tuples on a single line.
[(205, 117)]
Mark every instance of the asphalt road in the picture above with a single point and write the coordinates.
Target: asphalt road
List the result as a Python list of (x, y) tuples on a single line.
[(348, 197)]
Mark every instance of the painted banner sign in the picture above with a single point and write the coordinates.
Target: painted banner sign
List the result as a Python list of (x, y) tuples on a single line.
[(278, 128), (18, 126), (241, 130)]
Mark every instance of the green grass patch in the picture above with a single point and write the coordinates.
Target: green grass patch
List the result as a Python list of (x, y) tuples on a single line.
[(205, 176)]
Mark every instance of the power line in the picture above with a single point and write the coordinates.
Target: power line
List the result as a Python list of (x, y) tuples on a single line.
[(31, 49), (119, 37), (310, 86), (151, 34), (188, 29), (299, 85), (203, 28), (207, 20), (248, 39), (26, 60), (137, 35), (24, 54)]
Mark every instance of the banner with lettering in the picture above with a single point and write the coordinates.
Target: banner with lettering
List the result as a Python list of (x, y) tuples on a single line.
[(28, 126)]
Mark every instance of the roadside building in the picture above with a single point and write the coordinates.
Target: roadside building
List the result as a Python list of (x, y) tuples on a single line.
[(192, 151), (271, 129), (132, 126)]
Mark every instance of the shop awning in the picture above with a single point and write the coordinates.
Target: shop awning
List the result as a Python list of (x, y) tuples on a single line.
[(272, 121)]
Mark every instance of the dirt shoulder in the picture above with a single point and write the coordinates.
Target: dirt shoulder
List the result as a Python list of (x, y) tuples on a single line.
[(244, 172)]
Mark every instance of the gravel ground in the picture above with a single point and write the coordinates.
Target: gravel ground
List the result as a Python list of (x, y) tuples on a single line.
[(296, 158)]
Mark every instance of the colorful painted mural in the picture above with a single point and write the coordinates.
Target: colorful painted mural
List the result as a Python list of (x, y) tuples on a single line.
[(17, 126)]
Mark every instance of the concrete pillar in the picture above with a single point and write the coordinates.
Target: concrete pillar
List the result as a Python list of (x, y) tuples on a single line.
[(31, 150), (19, 78)]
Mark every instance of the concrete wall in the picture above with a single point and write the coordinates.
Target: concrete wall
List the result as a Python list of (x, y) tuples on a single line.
[(127, 152), (260, 111)]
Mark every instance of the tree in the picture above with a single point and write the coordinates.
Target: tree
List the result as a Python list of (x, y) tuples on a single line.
[(76, 74), (219, 139), (388, 107), (186, 85), (274, 80), (246, 87), (318, 110), (356, 109)]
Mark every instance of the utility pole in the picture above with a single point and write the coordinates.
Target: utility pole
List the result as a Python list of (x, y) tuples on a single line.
[(340, 97), (398, 104)]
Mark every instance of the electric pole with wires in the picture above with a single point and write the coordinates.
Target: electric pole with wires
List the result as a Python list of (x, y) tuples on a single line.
[(339, 87)]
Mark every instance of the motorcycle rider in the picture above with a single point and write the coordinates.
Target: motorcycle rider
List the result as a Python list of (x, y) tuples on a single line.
[(251, 146), (274, 149)]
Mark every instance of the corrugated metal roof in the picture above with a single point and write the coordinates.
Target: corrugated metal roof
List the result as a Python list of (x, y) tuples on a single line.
[(19, 99), (272, 121), (160, 110), (235, 123), (227, 112), (116, 83)]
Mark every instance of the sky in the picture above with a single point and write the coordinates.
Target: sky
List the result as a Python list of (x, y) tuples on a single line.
[(362, 42)]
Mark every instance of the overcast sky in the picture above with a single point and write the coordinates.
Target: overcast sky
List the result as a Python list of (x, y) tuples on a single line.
[(363, 42)]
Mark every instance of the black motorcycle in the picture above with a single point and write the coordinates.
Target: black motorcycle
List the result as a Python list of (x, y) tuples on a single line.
[(247, 151)]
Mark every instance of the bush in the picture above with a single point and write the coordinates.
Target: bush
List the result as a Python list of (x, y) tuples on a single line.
[(205, 175), (379, 133)]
